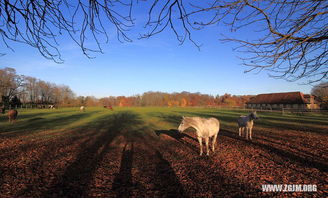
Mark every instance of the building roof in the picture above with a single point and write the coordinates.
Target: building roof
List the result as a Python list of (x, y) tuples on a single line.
[(279, 98)]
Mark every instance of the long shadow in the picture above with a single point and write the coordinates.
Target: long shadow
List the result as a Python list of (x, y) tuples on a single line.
[(74, 182), (215, 183), (176, 119), (296, 126), (317, 119), (304, 152), (167, 117), (38, 123), (36, 166), (299, 119), (172, 133), (167, 182), (175, 134), (26, 117), (40, 113), (123, 180), (75, 132), (178, 136), (306, 162)]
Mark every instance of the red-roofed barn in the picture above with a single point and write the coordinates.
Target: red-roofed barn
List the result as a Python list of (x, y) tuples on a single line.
[(294, 100)]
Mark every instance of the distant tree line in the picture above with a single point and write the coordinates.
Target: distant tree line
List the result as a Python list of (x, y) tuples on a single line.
[(17, 90), (182, 99)]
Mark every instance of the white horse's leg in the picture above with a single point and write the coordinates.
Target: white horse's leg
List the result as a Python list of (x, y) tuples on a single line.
[(242, 131), (247, 132), (240, 128), (206, 142), (200, 145), (250, 133), (214, 142)]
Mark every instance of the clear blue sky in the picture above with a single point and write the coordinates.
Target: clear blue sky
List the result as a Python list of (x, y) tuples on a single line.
[(155, 64)]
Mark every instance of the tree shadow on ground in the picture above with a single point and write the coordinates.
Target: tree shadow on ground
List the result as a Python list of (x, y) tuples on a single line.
[(38, 123), (167, 182), (122, 184), (178, 136), (30, 115), (298, 158), (75, 180), (167, 117), (198, 176)]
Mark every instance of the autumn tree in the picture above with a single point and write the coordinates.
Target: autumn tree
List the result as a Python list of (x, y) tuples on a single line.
[(63, 95), (321, 92), (289, 38)]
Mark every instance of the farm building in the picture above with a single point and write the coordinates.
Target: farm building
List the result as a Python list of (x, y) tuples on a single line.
[(293, 100)]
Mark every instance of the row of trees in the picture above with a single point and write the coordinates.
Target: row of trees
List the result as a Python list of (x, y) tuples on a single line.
[(17, 89), (182, 99)]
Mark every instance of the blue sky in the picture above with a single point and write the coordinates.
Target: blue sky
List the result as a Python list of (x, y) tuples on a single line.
[(155, 64)]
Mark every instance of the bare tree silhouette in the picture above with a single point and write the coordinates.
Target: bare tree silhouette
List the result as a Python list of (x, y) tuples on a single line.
[(290, 36)]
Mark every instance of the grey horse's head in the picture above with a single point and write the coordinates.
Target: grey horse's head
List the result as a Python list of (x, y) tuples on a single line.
[(254, 115)]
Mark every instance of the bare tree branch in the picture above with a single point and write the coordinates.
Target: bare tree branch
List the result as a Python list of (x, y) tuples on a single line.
[(289, 38), (40, 23)]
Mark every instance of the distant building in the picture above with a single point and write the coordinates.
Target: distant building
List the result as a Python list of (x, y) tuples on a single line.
[(293, 100)]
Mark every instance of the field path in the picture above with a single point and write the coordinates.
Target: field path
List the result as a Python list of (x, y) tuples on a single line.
[(128, 154)]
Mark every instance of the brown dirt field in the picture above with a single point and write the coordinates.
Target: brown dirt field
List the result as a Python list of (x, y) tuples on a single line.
[(133, 160)]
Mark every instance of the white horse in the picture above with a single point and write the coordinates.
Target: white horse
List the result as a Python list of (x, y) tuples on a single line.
[(246, 122), (82, 108), (205, 128)]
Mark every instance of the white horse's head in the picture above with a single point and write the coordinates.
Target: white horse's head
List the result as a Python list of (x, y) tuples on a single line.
[(183, 126)]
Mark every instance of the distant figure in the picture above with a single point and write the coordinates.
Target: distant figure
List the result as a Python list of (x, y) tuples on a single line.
[(12, 115), (246, 123), (52, 107), (82, 108), (205, 128), (109, 107)]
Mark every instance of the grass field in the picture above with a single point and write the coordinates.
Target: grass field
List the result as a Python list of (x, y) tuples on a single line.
[(138, 152)]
